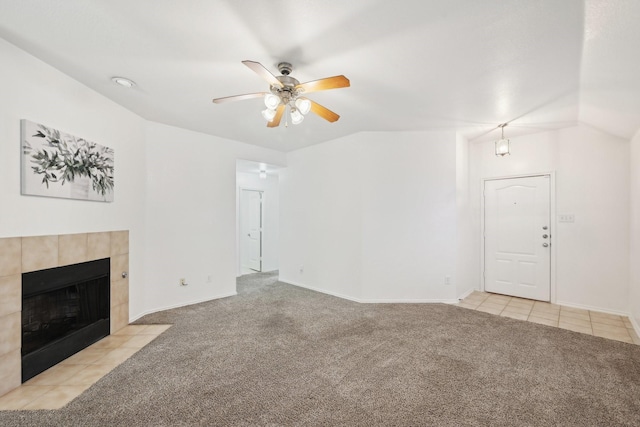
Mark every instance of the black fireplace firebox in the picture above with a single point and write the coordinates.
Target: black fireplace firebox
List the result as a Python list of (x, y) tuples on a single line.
[(64, 310)]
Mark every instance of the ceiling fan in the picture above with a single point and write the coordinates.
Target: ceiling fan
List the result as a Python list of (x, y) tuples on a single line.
[(285, 91)]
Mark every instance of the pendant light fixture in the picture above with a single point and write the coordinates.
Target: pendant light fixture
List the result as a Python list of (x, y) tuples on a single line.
[(503, 145)]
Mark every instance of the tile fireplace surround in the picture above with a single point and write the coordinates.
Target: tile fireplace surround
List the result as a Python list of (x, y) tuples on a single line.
[(25, 254)]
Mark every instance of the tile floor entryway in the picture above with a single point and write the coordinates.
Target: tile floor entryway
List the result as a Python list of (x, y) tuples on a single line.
[(60, 384), (603, 325)]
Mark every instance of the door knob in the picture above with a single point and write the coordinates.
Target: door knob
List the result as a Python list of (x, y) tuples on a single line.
[(545, 244), (544, 236)]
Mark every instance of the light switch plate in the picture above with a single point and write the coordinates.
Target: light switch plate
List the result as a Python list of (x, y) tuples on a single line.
[(566, 218)]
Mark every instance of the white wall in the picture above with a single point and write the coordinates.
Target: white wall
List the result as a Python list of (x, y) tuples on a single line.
[(634, 281), (320, 222), (173, 187), (190, 219), (372, 216), (33, 90), (408, 182), (270, 216), (592, 182), (467, 237)]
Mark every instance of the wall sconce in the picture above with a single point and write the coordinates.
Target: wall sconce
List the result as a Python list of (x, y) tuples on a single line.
[(503, 145)]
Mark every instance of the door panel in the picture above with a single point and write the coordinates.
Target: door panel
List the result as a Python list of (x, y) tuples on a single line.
[(517, 262), (255, 230), (251, 207)]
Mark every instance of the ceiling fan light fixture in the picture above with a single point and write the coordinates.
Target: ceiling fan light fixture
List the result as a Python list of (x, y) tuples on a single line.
[(303, 105), (296, 116), (271, 101), (269, 114), (283, 97)]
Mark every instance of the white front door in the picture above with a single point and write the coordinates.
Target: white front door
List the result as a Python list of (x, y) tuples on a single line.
[(517, 237), (252, 230)]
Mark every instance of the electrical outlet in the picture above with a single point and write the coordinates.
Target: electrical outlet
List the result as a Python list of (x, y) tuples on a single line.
[(208, 279), (447, 280), (183, 282), (301, 269)]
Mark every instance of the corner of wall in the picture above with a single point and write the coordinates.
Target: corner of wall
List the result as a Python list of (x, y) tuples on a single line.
[(634, 244), (467, 254)]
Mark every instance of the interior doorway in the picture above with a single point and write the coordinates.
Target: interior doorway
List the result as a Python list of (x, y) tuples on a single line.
[(257, 217), (251, 230), (517, 236)]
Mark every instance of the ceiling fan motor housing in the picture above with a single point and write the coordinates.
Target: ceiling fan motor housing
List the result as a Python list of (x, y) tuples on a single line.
[(288, 91), (285, 68)]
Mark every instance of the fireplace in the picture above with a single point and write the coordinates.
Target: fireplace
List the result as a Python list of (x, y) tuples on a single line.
[(19, 255), (64, 310)]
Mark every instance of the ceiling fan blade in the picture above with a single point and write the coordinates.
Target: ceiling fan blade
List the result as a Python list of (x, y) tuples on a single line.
[(334, 82), (263, 72), (324, 112), (239, 97), (276, 120)]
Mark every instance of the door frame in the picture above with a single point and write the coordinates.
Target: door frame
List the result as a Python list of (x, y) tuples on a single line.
[(552, 221), (240, 208)]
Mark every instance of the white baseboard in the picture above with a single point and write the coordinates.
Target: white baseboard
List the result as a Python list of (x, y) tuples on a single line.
[(592, 308), (466, 294), (322, 291), (238, 274), (373, 300), (169, 307), (634, 323), (409, 301), (636, 326)]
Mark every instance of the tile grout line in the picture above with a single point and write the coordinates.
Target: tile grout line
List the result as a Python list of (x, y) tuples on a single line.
[(58, 385), (629, 336)]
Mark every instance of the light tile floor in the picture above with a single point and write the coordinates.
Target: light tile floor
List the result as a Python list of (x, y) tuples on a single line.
[(60, 384), (589, 322)]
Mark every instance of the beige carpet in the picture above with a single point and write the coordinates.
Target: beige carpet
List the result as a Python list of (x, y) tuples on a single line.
[(280, 355)]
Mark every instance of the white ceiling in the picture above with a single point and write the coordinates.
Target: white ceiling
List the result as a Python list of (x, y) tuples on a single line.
[(414, 65)]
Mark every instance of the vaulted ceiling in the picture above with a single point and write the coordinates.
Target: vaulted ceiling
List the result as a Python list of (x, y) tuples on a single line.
[(414, 65)]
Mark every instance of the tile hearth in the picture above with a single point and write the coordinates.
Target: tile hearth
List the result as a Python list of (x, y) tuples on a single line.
[(59, 385)]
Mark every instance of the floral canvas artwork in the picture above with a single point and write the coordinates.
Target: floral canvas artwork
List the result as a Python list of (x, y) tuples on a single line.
[(56, 164)]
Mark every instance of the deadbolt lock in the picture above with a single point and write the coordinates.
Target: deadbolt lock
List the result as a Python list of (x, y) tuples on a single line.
[(544, 236)]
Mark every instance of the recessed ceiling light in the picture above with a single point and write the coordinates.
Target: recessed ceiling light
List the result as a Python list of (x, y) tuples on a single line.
[(122, 81)]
